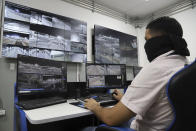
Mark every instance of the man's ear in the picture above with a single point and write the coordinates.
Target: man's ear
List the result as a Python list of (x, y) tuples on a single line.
[(155, 33)]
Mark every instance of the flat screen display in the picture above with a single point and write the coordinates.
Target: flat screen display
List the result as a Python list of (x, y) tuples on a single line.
[(114, 47), (37, 33), (40, 74), (96, 81), (106, 75)]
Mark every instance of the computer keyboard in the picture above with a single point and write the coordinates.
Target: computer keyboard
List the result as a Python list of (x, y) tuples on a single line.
[(103, 99), (41, 102)]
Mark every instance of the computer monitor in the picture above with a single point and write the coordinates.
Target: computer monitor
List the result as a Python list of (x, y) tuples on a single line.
[(40, 75), (136, 70), (105, 75), (33, 32), (76, 89), (114, 47)]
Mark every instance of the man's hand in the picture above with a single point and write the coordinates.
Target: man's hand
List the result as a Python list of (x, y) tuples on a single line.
[(91, 104), (113, 116), (117, 94)]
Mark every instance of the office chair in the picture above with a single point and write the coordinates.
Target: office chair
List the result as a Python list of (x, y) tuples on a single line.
[(181, 92)]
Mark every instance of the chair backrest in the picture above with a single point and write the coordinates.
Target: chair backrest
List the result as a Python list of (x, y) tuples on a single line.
[(181, 91)]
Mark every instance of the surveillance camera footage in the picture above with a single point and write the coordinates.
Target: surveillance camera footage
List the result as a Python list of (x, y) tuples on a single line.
[(114, 47), (33, 32), (37, 73)]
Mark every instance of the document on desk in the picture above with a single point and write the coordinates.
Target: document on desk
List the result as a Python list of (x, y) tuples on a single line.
[(55, 113)]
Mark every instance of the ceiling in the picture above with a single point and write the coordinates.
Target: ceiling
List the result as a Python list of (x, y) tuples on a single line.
[(137, 8)]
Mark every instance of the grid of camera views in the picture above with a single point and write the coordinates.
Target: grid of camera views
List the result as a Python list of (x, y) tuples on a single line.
[(38, 73), (106, 75), (41, 34), (113, 47)]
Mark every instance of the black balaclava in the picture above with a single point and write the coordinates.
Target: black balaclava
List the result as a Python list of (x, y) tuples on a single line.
[(159, 45)]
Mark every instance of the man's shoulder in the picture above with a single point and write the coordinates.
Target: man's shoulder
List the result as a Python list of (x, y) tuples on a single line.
[(158, 71), (166, 63)]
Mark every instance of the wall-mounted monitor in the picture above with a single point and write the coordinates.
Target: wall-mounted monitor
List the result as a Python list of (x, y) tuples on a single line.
[(105, 75), (114, 47), (37, 33)]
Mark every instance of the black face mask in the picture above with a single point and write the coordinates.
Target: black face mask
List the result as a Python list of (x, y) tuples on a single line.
[(157, 46)]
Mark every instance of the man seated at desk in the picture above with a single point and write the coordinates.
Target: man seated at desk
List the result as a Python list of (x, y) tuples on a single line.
[(146, 99)]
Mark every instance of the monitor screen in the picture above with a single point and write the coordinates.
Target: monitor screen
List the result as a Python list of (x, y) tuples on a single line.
[(76, 89), (114, 70), (37, 33), (114, 47), (130, 75), (96, 70), (136, 70), (35, 74), (96, 81), (106, 75), (113, 81)]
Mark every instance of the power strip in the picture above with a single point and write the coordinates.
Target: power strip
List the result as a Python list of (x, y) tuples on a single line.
[(2, 112)]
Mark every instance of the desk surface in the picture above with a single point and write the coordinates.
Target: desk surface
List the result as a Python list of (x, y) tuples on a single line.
[(55, 113)]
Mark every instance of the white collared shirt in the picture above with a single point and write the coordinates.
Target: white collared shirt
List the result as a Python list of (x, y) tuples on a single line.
[(146, 96)]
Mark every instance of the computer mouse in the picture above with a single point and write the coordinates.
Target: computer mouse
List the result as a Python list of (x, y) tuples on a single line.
[(114, 93)]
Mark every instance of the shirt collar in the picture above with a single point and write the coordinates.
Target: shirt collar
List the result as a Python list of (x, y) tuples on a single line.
[(163, 55)]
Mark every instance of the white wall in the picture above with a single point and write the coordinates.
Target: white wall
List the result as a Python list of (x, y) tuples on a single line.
[(187, 19), (141, 41), (62, 8)]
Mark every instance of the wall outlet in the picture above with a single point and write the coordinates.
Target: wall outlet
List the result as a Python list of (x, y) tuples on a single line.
[(2, 112), (12, 66)]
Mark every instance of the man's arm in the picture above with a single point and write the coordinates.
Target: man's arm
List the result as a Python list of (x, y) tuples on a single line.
[(111, 116)]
